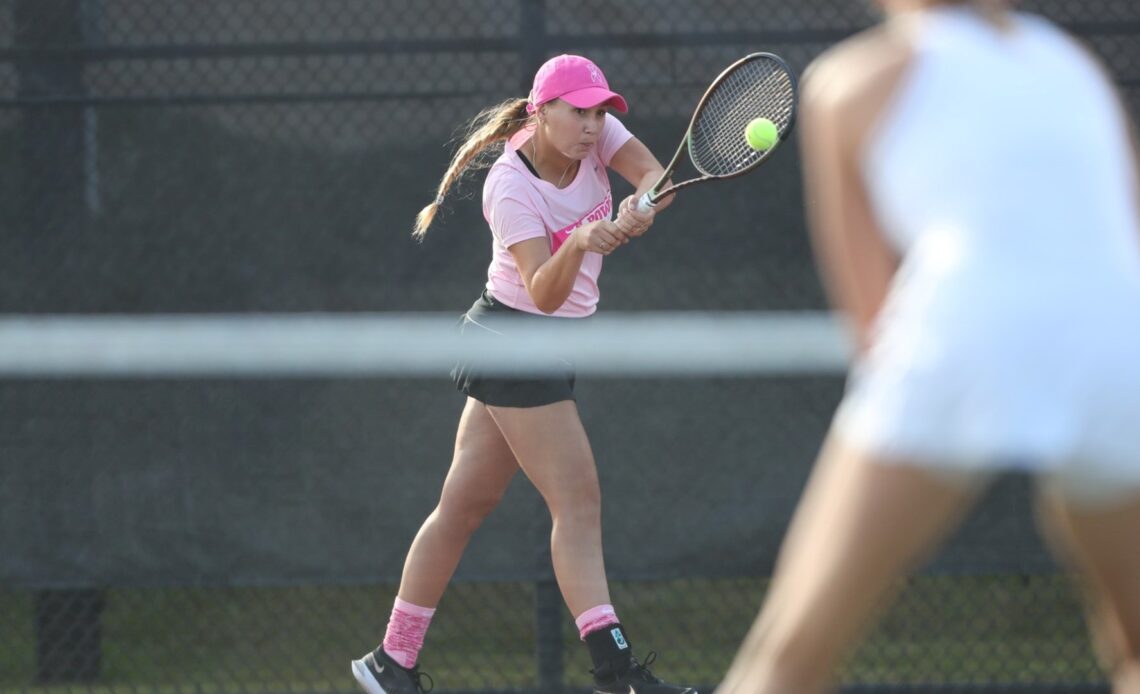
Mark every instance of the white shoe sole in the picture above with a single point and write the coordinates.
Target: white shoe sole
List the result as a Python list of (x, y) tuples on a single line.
[(365, 679)]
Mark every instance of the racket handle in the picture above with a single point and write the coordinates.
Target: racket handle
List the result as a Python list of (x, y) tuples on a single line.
[(645, 202)]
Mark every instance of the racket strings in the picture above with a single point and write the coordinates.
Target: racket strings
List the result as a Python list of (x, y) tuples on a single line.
[(760, 88)]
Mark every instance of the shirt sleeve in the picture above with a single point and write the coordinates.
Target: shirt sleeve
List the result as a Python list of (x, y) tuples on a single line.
[(614, 135), (510, 214)]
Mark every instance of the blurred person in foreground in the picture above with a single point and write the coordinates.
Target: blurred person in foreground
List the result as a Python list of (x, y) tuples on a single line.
[(548, 204), (973, 198)]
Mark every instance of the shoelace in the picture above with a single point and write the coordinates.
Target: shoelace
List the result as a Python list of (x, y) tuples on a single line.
[(418, 677), (642, 668)]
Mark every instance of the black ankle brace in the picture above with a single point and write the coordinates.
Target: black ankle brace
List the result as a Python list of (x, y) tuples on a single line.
[(610, 650)]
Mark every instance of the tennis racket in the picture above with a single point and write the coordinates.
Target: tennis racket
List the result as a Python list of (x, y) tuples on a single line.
[(760, 85)]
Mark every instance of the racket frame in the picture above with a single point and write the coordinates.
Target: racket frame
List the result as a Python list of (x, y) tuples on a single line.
[(654, 195)]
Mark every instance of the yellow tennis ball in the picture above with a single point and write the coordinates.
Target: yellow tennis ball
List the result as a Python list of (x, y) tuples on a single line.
[(761, 134)]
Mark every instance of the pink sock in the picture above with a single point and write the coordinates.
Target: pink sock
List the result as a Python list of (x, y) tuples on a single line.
[(595, 618), (406, 629)]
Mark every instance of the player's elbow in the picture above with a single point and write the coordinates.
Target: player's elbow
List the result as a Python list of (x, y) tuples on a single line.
[(547, 302), (546, 298), (546, 305)]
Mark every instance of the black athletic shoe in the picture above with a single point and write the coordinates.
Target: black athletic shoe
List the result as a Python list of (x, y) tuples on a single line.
[(637, 679), (377, 673)]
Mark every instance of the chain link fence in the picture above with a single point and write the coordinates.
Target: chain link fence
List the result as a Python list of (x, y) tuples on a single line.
[(178, 156)]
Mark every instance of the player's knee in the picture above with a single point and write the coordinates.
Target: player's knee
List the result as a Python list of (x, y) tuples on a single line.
[(465, 515), (581, 505), (1130, 650), (1125, 673), (1116, 638), (790, 656)]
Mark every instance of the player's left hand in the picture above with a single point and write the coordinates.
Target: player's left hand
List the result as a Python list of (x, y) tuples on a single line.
[(633, 222)]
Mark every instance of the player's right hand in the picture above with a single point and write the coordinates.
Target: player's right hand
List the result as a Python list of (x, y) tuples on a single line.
[(602, 237)]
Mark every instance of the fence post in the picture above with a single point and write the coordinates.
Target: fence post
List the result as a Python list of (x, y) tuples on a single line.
[(52, 153), (67, 622), (532, 40), (68, 635), (548, 610)]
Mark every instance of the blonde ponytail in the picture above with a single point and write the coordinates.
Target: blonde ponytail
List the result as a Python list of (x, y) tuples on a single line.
[(493, 125)]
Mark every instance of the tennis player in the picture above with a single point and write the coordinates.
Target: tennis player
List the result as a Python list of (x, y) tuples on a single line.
[(975, 208), (548, 203)]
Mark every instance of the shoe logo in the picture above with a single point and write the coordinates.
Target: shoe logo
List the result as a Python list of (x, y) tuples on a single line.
[(619, 639)]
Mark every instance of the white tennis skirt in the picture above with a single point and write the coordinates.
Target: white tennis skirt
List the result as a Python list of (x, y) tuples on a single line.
[(1051, 386)]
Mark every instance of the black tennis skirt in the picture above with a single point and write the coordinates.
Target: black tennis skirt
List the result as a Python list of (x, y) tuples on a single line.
[(503, 391)]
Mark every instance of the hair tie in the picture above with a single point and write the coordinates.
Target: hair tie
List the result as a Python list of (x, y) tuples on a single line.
[(439, 200)]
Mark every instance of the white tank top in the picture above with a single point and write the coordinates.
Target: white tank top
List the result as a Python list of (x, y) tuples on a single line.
[(1005, 150), (1001, 170)]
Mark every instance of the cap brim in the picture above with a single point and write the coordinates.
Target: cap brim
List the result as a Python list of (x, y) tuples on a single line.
[(596, 96)]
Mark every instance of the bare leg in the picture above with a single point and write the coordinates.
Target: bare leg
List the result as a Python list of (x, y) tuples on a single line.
[(481, 469), (858, 527), (1103, 545), (551, 446)]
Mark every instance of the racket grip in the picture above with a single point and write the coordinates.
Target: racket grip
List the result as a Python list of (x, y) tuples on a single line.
[(645, 202)]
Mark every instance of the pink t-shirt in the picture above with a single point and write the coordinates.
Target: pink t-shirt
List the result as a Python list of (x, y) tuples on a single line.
[(519, 205)]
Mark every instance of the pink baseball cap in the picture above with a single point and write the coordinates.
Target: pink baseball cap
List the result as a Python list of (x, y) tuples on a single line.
[(573, 79)]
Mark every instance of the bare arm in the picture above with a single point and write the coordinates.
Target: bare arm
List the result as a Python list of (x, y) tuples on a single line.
[(636, 164), (549, 278), (1135, 162), (1129, 124), (855, 260)]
